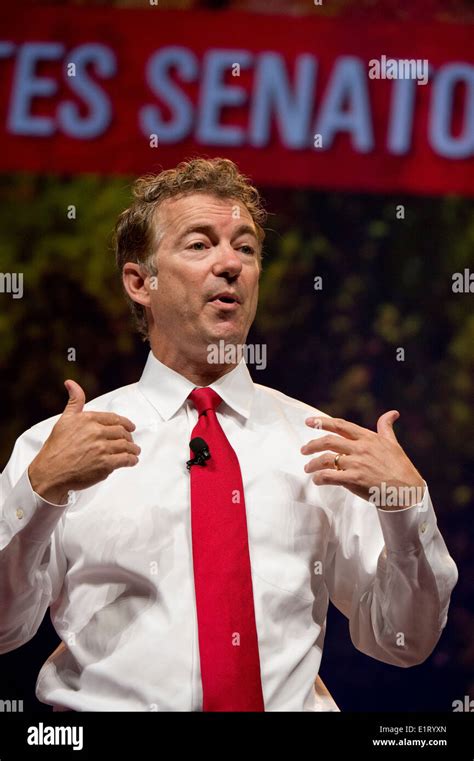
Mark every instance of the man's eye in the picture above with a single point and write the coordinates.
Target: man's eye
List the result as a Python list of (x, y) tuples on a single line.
[(249, 250), (198, 243)]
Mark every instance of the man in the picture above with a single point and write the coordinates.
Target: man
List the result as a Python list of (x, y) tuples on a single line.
[(199, 579)]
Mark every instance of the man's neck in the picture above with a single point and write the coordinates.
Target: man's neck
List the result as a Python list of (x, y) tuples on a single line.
[(199, 372)]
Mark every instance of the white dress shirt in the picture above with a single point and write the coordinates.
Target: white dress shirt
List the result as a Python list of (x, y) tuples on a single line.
[(116, 567)]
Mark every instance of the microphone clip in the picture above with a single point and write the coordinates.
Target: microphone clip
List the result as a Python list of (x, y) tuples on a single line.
[(199, 459)]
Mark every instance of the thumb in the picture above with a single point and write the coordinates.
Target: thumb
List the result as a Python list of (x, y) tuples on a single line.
[(77, 398), (385, 424)]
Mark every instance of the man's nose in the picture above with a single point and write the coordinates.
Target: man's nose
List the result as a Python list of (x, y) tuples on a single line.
[(227, 262)]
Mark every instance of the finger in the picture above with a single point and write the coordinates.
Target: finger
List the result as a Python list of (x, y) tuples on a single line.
[(111, 418), (385, 424), (333, 443), (123, 460), (117, 446), (116, 432), (330, 477), (338, 425), (326, 461), (77, 398)]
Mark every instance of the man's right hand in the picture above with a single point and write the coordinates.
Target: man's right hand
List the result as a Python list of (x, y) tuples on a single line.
[(82, 449)]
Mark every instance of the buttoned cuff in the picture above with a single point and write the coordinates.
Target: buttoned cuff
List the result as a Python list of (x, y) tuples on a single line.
[(408, 527), (26, 511)]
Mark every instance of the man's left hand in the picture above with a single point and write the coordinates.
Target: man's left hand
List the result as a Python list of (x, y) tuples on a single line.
[(367, 459)]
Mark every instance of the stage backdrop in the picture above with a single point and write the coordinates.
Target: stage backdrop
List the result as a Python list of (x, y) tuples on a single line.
[(302, 101)]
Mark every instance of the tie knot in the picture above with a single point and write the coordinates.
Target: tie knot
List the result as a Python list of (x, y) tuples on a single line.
[(205, 399)]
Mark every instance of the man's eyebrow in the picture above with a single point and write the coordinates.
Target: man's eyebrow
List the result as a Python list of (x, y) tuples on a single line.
[(209, 230), (245, 230), (196, 228)]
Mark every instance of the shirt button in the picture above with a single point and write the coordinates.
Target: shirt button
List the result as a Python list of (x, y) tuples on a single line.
[(423, 528), (19, 513)]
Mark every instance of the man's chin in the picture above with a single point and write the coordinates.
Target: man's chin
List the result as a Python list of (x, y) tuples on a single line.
[(230, 337), (226, 331)]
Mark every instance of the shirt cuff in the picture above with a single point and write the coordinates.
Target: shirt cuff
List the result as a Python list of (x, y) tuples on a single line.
[(409, 527), (29, 513)]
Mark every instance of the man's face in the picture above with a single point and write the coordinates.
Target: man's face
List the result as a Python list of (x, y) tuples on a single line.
[(208, 247)]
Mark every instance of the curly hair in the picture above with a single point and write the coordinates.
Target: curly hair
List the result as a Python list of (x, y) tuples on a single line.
[(136, 232)]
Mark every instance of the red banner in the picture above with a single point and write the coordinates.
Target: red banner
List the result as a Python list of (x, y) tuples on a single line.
[(295, 101)]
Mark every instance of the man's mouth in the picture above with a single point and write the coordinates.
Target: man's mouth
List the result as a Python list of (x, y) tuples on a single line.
[(225, 301)]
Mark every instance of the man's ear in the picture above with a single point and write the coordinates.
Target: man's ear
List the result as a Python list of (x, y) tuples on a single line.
[(136, 281)]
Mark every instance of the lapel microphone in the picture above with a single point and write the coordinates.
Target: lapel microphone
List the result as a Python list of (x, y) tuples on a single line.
[(200, 450)]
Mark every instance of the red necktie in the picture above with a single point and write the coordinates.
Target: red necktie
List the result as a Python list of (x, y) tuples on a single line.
[(228, 644)]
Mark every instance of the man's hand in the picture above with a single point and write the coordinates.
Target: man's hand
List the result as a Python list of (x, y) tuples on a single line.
[(368, 461), (82, 449)]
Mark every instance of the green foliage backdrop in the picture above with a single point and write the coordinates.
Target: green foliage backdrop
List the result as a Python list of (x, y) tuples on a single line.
[(386, 284)]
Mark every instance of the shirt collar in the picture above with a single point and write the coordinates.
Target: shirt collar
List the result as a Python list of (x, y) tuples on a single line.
[(167, 390)]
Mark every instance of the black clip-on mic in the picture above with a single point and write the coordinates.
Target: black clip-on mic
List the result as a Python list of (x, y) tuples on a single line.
[(201, 452)]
